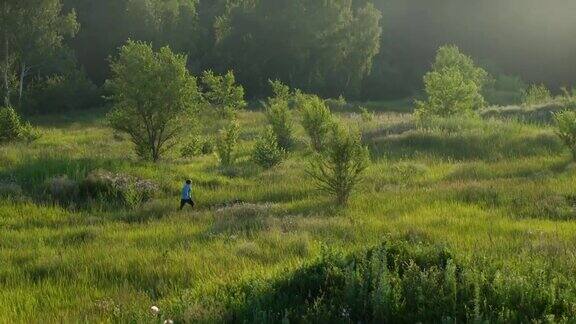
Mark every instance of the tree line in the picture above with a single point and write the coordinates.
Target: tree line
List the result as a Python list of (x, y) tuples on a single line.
[(55, 53)]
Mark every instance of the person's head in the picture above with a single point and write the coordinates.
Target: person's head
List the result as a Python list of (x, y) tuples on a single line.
[(188, 181)]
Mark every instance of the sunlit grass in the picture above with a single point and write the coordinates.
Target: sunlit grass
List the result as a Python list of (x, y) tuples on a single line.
[(496, 191)]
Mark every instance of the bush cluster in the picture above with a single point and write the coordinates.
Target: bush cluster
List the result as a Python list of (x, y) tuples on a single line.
[(114, 190), (12, 128), (402, 282), (536, 94), (197, 146)]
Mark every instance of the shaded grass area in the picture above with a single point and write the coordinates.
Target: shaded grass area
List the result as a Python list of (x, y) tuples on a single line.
[(487, 196)]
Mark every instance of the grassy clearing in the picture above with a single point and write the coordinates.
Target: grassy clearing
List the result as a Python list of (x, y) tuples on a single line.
[(497, 195)]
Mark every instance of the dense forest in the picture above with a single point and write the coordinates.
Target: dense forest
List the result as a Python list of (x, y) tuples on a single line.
[(60, 54)]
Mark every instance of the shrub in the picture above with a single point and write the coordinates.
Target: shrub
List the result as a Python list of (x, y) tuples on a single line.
[(153, 95), (12, 128), (316, 119), (449, 93), (227, 141), (223, 93), (366, 115), (536, 95), (280, 91), (62, 190), (197, 146), (338, 169), (280, 119), (267, 153), (453, 86), (568, 98), (337, 104), (116, 189), (10, 125), (207, 146), (402, 282), (566, 123), (10, 190)]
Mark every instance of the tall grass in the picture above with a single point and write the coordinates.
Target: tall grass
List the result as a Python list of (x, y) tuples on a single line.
[(476, 216)]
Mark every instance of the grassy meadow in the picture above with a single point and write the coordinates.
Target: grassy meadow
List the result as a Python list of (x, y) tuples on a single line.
[(493, 198)]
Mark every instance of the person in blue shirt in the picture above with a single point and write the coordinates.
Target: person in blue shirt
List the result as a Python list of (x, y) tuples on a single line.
[(187, 195)]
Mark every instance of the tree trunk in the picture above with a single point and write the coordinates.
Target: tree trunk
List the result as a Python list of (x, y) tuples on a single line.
[(6, 65), (21, 85)]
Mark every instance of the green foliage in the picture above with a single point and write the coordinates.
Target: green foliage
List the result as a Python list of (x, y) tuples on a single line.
[(311, 44), (10, 125), (267, 153), (568, 98), (450, 57), (196, 146), (13, 129), (153, 95), (367, 115), (536, 95), (316, 119), (223, 93), (116, 189), (280, 118), (32, 31), (566, 123), (338, 169), (402, 282), (280, 92), (505, 90), (227, 141), (62, 93), (449, 93), (454, 86)]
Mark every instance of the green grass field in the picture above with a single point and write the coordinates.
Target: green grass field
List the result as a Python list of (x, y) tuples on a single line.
[(498, 194)]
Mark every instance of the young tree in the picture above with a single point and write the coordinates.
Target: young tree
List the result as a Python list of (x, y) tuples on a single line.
[(566, 123), (316, 119), (29, 29), (223, 93), (153, 94), (226, 145), (280, 119), (279, 115), (267, 153), (338, 170), (453, 86), (450, 57)]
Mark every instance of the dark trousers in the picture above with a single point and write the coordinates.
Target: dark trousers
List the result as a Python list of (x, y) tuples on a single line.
[(183, 202)]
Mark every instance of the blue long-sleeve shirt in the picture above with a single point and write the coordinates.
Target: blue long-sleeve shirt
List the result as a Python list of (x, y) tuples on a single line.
[(187, 192)]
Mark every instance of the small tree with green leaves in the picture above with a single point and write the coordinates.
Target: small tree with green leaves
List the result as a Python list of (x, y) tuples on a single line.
[(280, 91), (280, 119), (12, 128), (267, 153), (227, 141), (222, 92), (454, 85), (316, 119), (339, 168), (153, 94), (566, 123), (536, 94)]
